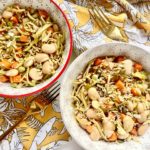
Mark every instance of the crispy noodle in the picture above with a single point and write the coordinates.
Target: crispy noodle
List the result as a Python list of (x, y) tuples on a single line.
[(38, 28), (111, 99)]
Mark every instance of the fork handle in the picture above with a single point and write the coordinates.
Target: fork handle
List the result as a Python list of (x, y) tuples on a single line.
[(12, 128)]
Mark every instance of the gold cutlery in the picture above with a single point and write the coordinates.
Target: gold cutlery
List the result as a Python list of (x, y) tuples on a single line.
[(36, 105), (135, 15), (106, 26)]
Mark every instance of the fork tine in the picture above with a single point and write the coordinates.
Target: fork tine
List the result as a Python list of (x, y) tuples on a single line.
[(104, 15), (53, 85), (101, 13), (53, 98), (50, 98), (51, 88), (95, 19), (100, 17), (48, 94), (52, 93)]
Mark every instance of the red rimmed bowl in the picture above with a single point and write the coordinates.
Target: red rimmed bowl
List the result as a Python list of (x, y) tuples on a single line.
[(58, 15)]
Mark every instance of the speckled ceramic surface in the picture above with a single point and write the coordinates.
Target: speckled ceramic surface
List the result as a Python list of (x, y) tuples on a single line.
[(57, 16), (136, 53)]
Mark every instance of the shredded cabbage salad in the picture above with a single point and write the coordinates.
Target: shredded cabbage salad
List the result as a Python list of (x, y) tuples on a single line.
[(111, 99), (31, 46)]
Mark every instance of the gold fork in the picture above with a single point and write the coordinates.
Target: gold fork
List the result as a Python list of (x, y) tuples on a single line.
[(106, 26), (36, 105)]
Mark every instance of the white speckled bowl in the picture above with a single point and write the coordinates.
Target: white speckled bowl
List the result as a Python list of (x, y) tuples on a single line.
[(136, 53), (58, 15)]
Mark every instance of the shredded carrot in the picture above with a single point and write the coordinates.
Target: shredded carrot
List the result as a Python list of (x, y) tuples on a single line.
[(108, 106), (135, 92), (50, 29), (122, 116), (2, 32), (138, 67), (119, 58), (89, 128), (120, 85), (118, 100), (19, 55), (24, 38), (113, 137), (134, 131), (15, 79), (14, 65), (43, 13), (19, 48), (5, 64), (14, 19), (23, 29), (98, 61), (135, 120), (3, 78)]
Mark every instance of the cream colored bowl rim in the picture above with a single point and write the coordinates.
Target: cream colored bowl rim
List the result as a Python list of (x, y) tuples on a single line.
[(78, 134)]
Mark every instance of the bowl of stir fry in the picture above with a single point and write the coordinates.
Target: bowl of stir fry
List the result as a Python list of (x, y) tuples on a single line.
[(106, 101), (35, 46)]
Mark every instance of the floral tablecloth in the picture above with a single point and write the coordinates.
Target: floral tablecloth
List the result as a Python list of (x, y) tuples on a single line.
[(46, 130)]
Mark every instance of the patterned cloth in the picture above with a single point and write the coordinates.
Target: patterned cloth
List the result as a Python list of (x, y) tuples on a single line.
[(46, 130), (87, 35)]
